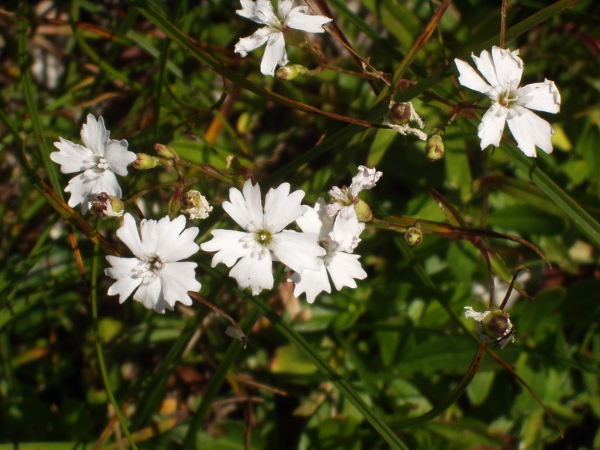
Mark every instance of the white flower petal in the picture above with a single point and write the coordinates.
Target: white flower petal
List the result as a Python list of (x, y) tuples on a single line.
[(284, 7), (509, 67), (300, 21), (129, 235), (298, 251), (248, 10), (485, 65), (282, 208), (530, 130), (176, 242), (95, 135), (274, 54), (541, 96), (229, 246), (311, 282), (345, 233), (177, 278), (472, 314), (247, 44), (246, 208), (121, 270), (150, 294), (118, 157), (470, 79), (315, 220), (254, 272), (344, 268), (71, 157), (492, 125), (82, 185)]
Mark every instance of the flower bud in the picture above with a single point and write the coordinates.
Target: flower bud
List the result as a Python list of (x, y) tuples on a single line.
[(414, 235), (498, 326), (363, 211), (400, 113), (104, 205), (288, 73), (165, 151), (434, 148), (144, 162), (195, 205)]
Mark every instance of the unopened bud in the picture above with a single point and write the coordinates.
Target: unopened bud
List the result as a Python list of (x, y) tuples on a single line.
[(413, 235), (288, 73), (165, 151), (363, 211), (434, 148), (498, 327), (104, 205), (400, 113), (195, 205), (144, 162)]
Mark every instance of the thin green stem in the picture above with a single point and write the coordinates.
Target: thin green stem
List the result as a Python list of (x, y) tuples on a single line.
[(101, 362)]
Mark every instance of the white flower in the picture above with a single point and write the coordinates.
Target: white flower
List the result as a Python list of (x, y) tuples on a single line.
[(342, 267), (343, 200), (502, 70), (400, 116), (494, 327), (99, 159), (156, 272), (251, 252), (276, 23)]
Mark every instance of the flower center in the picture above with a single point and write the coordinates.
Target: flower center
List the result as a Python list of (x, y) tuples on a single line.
[(508, 97), (98, 164), (149, 269), (263, 238)]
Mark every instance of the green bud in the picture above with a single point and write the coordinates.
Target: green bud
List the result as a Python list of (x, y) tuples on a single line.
[(434, 149), (104, 205), (144, 162), (288, 73), (413, 235), (165, 151), (363, 211)]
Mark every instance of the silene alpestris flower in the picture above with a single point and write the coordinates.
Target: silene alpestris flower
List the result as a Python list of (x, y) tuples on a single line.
[(99, 159), (344, 199), (342, 267), (156, 274), (277, 22), (251, 252), (510, 103)]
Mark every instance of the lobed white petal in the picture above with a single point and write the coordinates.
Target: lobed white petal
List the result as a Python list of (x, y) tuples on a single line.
[(229, 245), (122, 271), (298, 251), (470, 79), (118, 157), (246, 208), (247, 44), (530, 130), (95, 135), (541, 96), (282, 208), (492, 125), (315, 220), (311, 282), (129, 235), (345, 233), (344, 268), (274, 54), (509, 67), (254, 272), (486, 67), (71, 157), (298, 20), (177, 279)]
